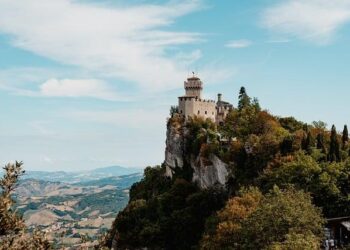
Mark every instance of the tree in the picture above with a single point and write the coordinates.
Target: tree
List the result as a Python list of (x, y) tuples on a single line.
[(10, 222), (345, 137), (225, 231), (324, 181), (243, 99), (320, 144), (319, 125), (334, 149), (297, 241), (320, 141), (12, 228), (253, 221), (256, 104), (174, 110), (286, 146), (302, 172), (280, 213), (164, 214), (291, 124), (308, 142)]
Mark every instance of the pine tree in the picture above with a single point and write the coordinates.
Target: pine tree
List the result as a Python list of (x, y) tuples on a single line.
[(334, 149), (345, 137), (243, 99)]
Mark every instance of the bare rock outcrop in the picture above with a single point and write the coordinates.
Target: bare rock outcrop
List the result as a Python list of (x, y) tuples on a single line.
[(208, 175), (174, 150), (207, 172)]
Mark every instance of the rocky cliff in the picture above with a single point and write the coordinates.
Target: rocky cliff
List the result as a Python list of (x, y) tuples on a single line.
[(207, 171)]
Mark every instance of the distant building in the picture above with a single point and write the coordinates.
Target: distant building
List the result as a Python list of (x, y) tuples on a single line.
[(192, 104)]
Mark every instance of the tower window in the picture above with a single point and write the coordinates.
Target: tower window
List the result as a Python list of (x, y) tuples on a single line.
[(199, 112), (206, 112)]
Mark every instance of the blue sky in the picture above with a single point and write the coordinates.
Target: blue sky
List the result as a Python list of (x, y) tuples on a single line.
[(86, 84)]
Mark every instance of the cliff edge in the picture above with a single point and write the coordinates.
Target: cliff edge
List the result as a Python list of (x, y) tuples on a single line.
[(191, 146)]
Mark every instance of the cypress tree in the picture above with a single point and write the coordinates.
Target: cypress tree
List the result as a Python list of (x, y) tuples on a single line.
[(243, 99), (319, 141), (345, 137), (334, 149), (320, 145), (307, 142)]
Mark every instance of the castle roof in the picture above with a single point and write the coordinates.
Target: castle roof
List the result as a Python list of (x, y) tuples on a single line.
[(193, 78)]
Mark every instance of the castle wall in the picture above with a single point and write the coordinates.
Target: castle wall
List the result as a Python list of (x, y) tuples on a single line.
[(199, 107), (194, 92)]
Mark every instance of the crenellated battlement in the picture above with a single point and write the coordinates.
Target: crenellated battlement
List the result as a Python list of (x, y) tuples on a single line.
[(191, 98), (193, 83)]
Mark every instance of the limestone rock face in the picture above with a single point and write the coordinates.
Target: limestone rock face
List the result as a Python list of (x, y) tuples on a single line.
[(206, 172), (210, 175), (174, 151)]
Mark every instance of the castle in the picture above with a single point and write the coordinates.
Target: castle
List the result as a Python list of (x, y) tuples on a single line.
[(192, 104)]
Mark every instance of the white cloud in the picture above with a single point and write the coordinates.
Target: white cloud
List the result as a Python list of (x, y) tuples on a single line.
[(128, 43), (313, 20), (239, 44), (33, 82), (40, 82), (77, 88)]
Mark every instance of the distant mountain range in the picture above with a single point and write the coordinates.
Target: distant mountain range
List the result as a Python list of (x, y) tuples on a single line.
[(81, 176)]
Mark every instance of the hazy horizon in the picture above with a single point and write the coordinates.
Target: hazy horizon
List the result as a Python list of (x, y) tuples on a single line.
[(88, 84), (70, 170)]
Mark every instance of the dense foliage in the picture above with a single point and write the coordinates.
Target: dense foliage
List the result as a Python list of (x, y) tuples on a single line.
[(165, 214), (254, 221), (299, 173)]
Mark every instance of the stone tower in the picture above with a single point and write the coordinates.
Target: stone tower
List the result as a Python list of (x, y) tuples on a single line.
[(194, 87), (192, 104)]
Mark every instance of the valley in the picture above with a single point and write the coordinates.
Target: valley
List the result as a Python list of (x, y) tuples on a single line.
[(76, 208)]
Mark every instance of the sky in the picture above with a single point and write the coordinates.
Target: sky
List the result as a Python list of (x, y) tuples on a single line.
[(87, 84)]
